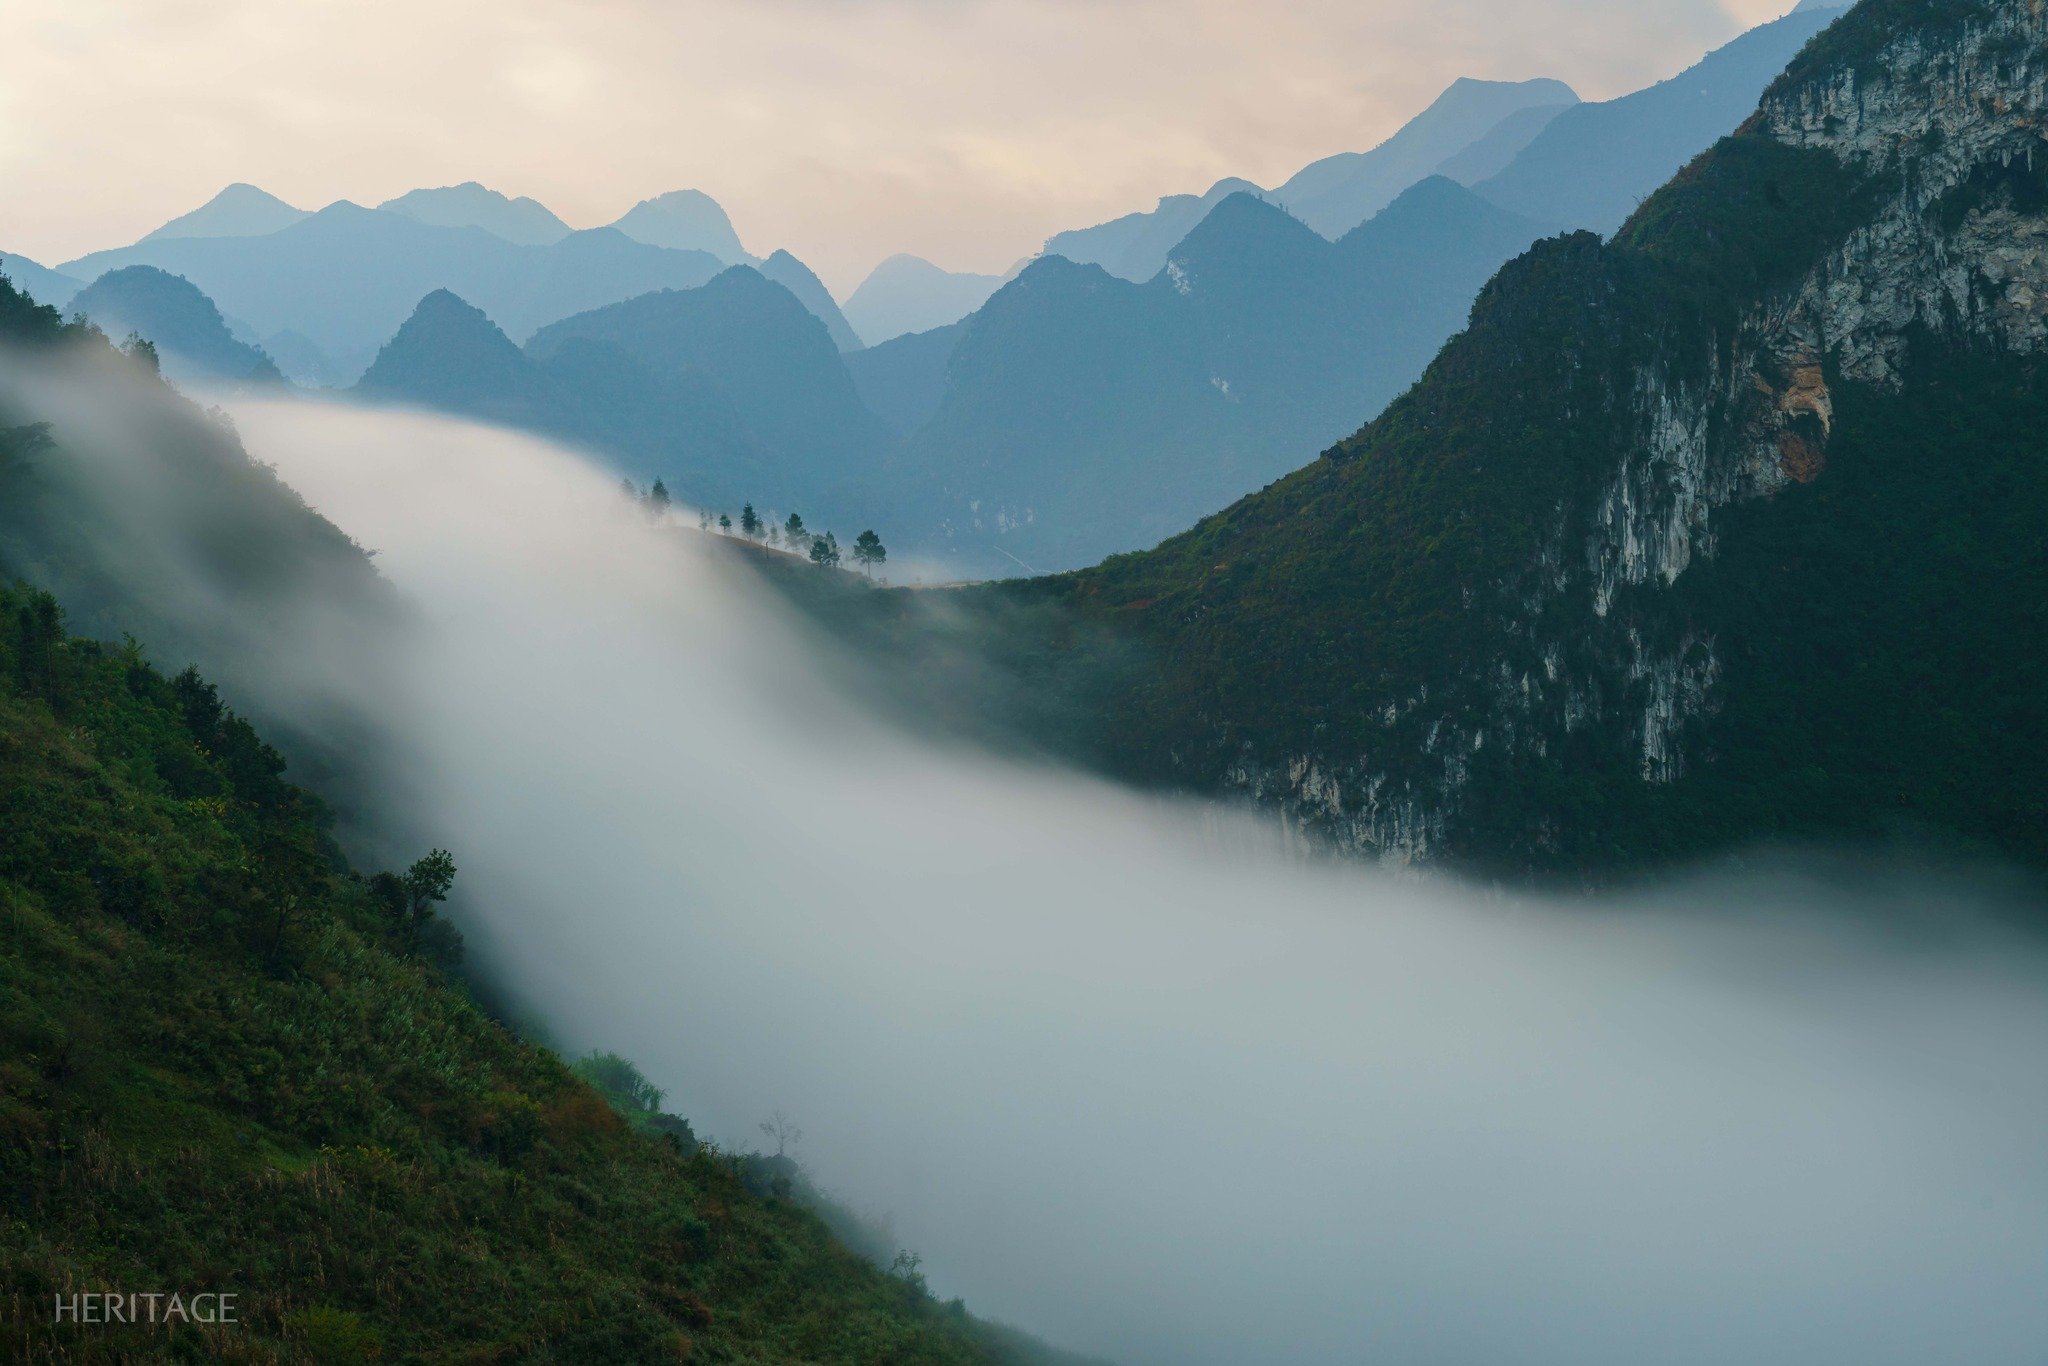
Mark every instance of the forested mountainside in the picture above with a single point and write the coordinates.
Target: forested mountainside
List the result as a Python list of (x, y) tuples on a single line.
[(232, 1064), (1726, 530), (198, 551), (232, 1067)]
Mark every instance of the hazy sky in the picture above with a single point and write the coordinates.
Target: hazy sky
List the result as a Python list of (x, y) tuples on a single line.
[(963, 130)]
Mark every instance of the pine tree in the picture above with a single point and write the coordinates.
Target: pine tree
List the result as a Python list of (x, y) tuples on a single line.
[(750, 522), (794, 534), (724, 524), (825, 551), (657, 497), (869, 551)]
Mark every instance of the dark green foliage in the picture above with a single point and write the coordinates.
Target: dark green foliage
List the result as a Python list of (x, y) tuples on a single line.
[(1879, 632), (1887, 653), (1872, 26), (824, 551), (197, 1094), (182, 542), (869, 551)]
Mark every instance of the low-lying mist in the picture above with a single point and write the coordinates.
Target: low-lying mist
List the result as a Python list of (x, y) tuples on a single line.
[(1127, 1074)]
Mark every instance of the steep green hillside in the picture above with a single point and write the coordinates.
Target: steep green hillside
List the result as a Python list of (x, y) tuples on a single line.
[(227, 1067), (1727, 530)]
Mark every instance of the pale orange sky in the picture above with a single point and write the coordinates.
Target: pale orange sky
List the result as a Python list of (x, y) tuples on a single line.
[(966, 131)]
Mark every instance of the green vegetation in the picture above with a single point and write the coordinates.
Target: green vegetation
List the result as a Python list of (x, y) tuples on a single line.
[(231, 1064), (228, 1067), (1877, 633)]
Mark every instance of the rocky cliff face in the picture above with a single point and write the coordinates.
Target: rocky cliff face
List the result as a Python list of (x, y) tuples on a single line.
[(1935, 138)]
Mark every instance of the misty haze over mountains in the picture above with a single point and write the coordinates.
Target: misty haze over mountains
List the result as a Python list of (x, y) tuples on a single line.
[(1039, 421), (1514, 833)]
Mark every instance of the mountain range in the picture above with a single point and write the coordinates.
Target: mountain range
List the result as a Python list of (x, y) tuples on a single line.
[(1594, 163), (324, 290), (204, 992), (1073, 414), (730, 392), (1724, 531), (1083, 414), (908, 294)]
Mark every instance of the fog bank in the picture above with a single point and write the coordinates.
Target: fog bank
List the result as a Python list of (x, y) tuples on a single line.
[(1126, 1074)]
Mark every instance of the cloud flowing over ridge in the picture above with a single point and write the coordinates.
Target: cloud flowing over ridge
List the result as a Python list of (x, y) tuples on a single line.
[(1127, 1074), (963, 130)]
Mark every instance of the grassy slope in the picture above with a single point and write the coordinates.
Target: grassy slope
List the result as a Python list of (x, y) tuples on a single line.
[(316, 1119)]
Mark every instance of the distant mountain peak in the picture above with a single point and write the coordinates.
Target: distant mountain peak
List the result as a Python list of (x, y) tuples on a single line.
[(524, 221), (684, 220), (240, 210), (1245, 223), (907, 294), (448, 353), (800, 280), (193, 340)]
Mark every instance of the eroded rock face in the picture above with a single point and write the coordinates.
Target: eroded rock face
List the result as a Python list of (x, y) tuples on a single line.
[(1949, 135)]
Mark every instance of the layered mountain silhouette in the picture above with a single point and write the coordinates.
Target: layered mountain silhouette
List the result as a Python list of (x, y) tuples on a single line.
[(1724, 531), (906, 294), (772, 358), (684, 220), (346, 277), (525, 221), (1134, 247), (903, 380), (327, 289), (1338, 193), (39, 281), (730, 392), (796, 277), (238, 211), (1084, 414), (192, 340), (1593, 164)]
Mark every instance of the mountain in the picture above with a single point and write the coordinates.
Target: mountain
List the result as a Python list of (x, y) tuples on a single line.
[(39, 282), (450, 356), (1084, 414), (200, 989), (684, 220), (796, 277), (1134, 247), (1338, 193), (238, 211), (1726, 531), (908, 294), (729, 393), (676, 426), (1493, 153), (903, 380), (753, 341), (301, 362), (192, 340), (347, 277), (469, 205), (1593, 164)]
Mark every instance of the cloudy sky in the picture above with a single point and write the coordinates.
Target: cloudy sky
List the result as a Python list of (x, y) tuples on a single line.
[(963, 130)]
